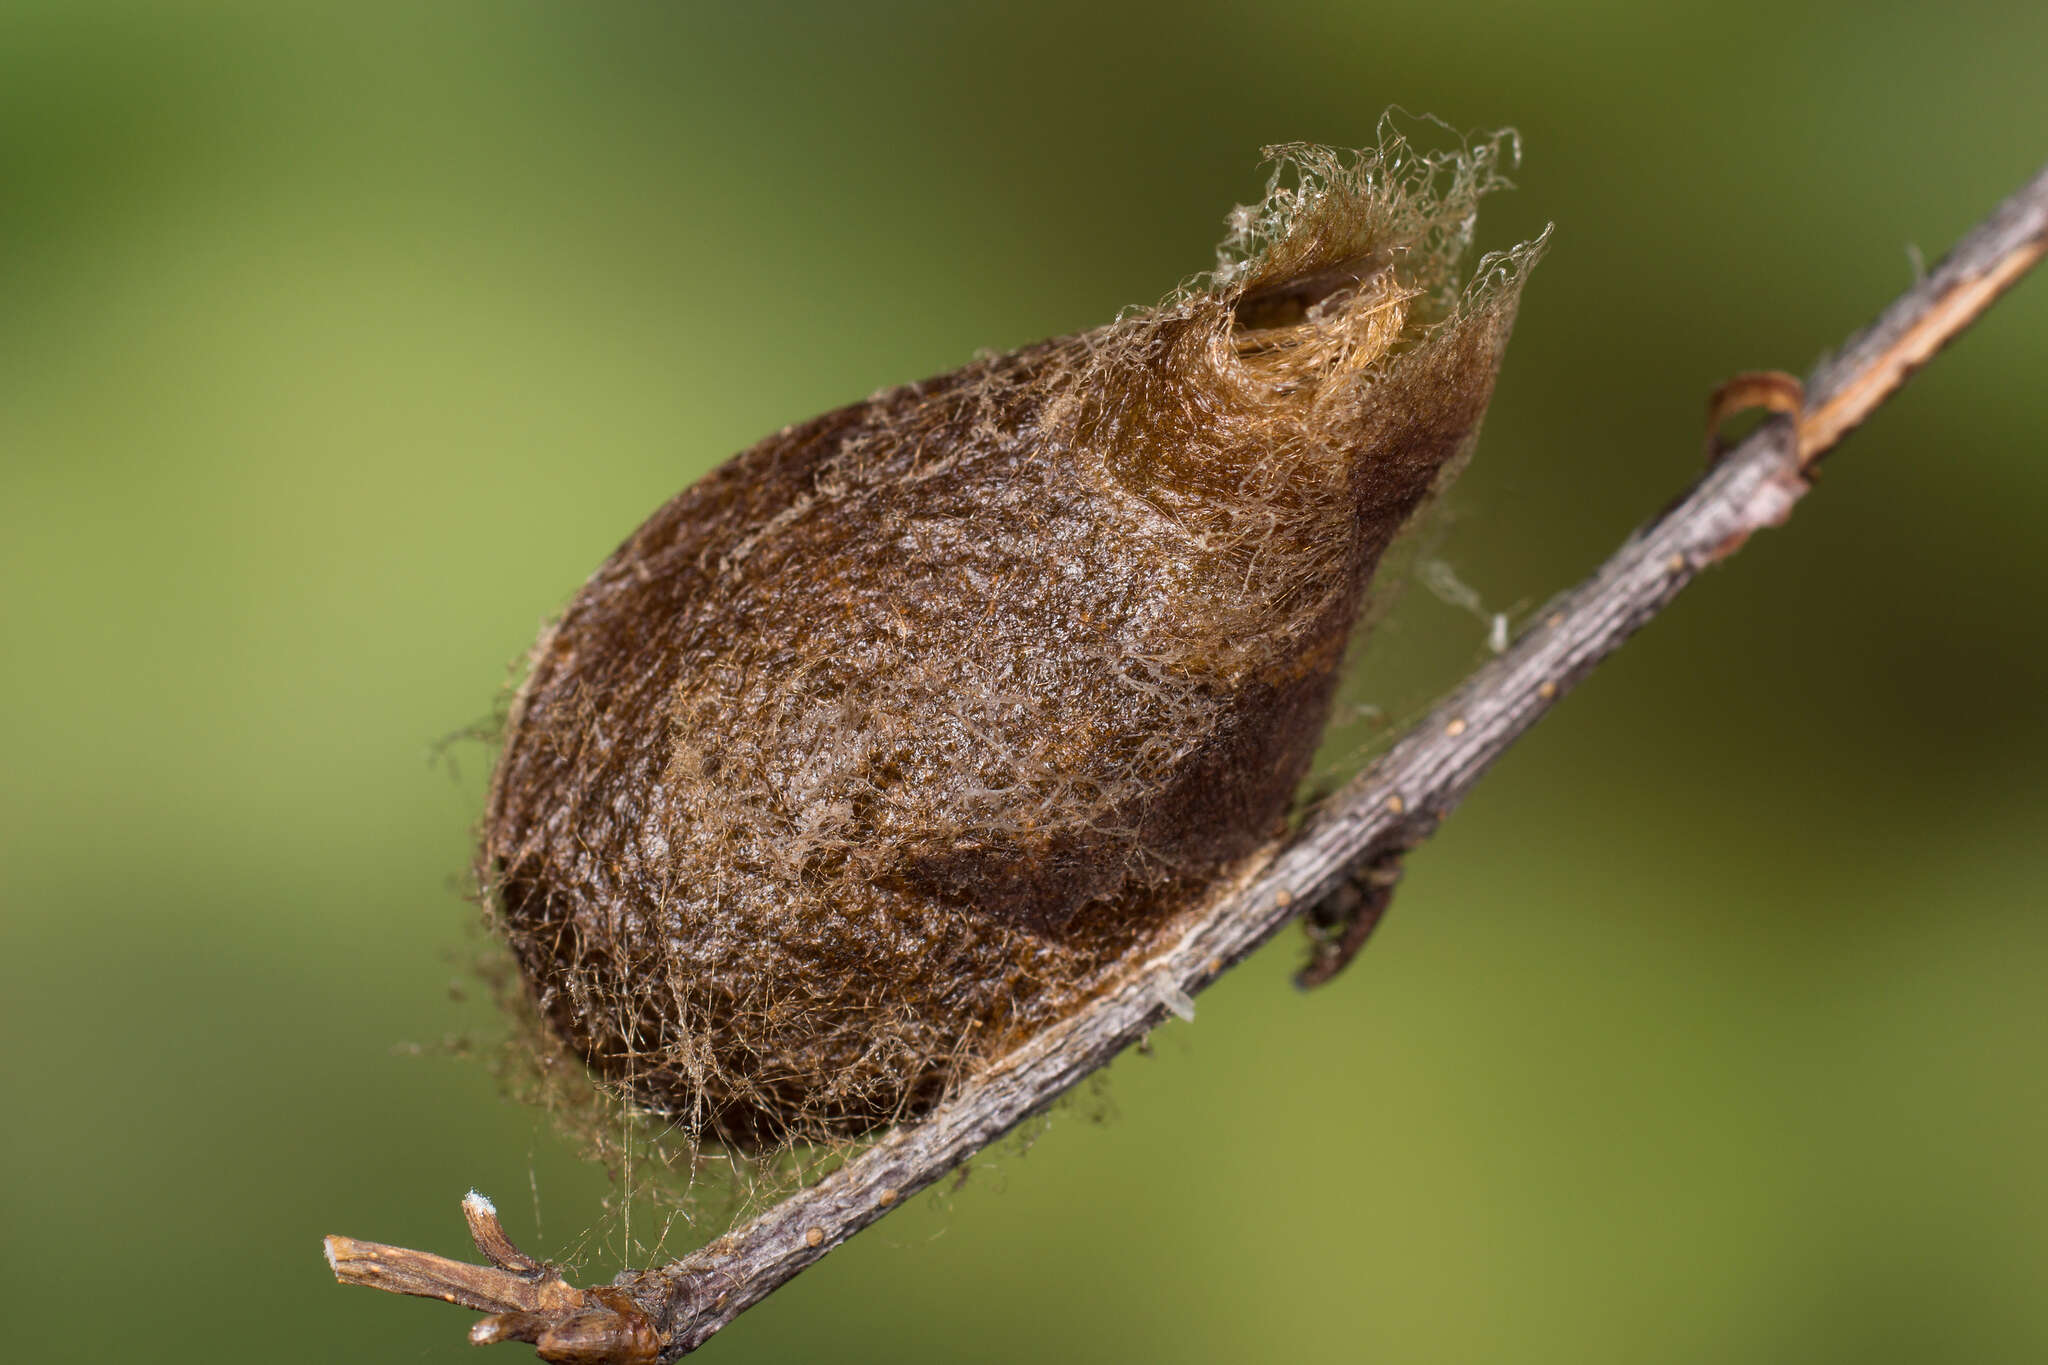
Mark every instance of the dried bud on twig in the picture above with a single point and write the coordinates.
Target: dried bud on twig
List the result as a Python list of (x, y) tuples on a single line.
[(894, 738)]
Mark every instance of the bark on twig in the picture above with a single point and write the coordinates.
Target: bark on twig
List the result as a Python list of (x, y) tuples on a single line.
[(1390, 808)]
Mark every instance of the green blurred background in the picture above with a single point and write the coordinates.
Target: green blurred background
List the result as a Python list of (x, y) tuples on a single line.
[(337, 344)]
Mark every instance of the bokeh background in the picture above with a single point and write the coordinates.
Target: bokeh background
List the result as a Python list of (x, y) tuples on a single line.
[(338, 343)]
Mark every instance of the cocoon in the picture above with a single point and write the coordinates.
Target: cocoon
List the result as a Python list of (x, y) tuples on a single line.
[(903, 732)]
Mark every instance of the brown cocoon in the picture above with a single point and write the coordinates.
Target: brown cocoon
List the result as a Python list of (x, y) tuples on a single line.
[(902, 733)]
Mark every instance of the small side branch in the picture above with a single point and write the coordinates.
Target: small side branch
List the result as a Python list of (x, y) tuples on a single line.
[(1392, 807), (527, 1300)]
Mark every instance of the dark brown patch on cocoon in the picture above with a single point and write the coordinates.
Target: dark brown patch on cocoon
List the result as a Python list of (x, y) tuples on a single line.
[(904, 732)]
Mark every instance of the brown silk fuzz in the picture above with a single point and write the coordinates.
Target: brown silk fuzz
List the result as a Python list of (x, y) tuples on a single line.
[(902, 733)]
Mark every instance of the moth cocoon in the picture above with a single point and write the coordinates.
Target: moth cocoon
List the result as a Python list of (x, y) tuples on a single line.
[(909, 729)]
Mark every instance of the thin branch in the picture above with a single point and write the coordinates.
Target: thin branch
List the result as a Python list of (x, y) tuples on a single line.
[(527, 1301), (1392, 807)]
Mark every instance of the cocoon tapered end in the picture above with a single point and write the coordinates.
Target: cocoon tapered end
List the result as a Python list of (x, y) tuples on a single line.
[(907, 730)]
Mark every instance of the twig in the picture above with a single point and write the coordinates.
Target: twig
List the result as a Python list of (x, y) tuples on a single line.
[(527, 1301), (1390, 808)]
